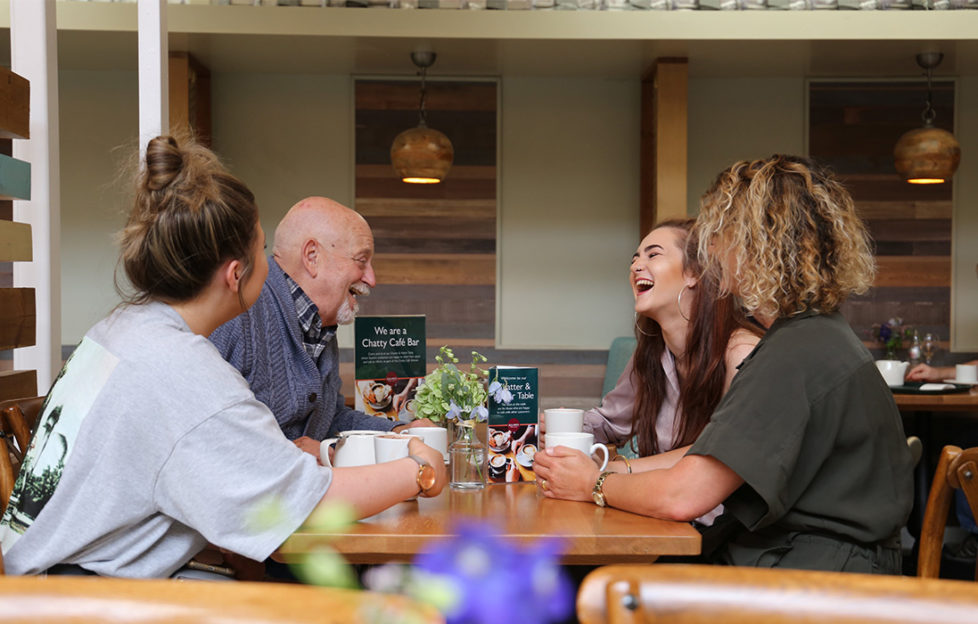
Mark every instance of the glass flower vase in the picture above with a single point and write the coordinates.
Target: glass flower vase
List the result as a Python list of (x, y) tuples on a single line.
[(467, 456)]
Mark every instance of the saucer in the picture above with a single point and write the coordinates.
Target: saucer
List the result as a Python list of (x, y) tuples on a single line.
[(962, 383)]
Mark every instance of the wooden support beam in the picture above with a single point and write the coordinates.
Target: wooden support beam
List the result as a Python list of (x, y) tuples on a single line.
[(190, 97), (664, 142), (18, 325), (15, 242), (15, 178), (18, 384), (15, 106)]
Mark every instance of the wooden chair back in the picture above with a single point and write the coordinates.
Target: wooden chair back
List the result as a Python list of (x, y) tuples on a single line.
[(91, 599), (703, 594), (956, 470), (18, 420)]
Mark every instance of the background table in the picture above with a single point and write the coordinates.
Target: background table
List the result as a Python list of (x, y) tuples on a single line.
[(922, 407), (954, 402), (594, 535)]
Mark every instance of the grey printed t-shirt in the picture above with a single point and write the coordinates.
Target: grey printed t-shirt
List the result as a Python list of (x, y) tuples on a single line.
[(150, 446)]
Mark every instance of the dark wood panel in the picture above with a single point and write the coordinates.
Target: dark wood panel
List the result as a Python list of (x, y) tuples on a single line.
[(435, 268), (889, 187), (15, 105), (396, 207), (18, 327), (450, 188), (441, 304), (17, 384), (853, 127), (435, 245), (909, 248), (910, 229), (403, 95), (913, 271), (939, 209), (555, 380), (416, 227), (877, 96), (7, 209)]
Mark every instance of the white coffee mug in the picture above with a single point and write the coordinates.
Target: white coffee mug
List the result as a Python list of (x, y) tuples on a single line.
[(352, 449), (966, 373), (892, 371), (583, 442), (435, 437), (391, 446), (561, 419)]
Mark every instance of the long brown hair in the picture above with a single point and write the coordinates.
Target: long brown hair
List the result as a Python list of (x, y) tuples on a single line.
[(713, 321), (189, 215)]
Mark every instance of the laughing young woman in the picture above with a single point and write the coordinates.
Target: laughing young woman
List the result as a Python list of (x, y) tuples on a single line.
[(690, 343)]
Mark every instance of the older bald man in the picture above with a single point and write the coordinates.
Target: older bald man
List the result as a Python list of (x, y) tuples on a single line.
[(285, 345)]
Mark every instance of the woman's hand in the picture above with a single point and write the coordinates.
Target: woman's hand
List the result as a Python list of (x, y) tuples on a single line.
[(433, 457), (565, 473), (308, 445)]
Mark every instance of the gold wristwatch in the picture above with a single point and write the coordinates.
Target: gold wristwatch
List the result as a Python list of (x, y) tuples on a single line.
[(598, 493), (426, 475)]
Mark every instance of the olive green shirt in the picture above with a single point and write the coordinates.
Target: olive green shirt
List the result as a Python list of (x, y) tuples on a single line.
[(813, 430)]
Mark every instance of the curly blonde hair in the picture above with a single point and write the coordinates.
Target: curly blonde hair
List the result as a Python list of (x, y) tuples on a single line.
[(783, 235)]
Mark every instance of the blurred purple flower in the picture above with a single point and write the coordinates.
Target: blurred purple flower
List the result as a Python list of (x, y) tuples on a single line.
[(885, 332), (495, 581)]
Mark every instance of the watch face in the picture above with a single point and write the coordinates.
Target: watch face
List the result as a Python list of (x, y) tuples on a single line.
[(598, 498), (426, 477)]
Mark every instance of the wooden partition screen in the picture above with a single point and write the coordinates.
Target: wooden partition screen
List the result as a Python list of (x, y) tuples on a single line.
[(17, 305), (435, 243), (853, 128)]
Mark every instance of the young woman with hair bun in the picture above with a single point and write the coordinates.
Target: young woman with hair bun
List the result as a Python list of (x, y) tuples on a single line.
[(150, 446)]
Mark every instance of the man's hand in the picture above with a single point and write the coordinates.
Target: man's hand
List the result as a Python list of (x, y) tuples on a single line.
[(421, 422)]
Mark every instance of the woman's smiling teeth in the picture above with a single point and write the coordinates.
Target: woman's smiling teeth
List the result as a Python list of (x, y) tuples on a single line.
[(642, 285)]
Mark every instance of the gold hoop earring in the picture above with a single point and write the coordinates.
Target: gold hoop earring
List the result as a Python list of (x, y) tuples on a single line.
[(679, 303), (639, 329)]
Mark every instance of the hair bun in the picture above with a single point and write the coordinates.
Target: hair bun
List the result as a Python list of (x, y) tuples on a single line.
[(164, 162)]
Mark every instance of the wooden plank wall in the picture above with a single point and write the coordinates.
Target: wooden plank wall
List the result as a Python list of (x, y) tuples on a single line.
[(853, 128), (436, 244), (17, 308)]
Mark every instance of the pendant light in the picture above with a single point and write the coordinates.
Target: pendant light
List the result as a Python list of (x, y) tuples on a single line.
[(422, 155), (927, 155)]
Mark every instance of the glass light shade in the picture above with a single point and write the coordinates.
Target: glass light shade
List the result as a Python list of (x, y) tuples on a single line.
[(927, 155), (422, 155)]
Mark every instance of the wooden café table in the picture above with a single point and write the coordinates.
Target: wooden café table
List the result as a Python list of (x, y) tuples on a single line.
[(594, 535)]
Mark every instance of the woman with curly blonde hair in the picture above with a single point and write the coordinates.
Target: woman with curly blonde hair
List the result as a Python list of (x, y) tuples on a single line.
[(806, 450)]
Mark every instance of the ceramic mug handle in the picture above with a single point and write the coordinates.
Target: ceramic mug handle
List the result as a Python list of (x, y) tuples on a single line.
[(324, 451), (604, 450)]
